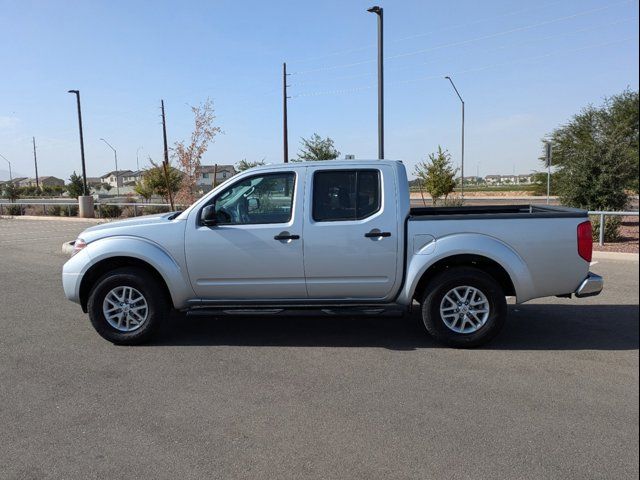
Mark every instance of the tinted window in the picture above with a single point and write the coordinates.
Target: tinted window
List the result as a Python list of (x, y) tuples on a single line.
[(345, 194), (259, 199)]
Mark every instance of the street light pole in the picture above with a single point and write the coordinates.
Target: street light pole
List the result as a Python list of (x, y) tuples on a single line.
[(462, 156), (137, 159), (35, 160), (285, 120), (6, 160), (84, 170), (115, 154), (379, 12)]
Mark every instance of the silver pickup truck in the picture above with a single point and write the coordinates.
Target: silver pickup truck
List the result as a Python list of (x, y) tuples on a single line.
[(336, 238)]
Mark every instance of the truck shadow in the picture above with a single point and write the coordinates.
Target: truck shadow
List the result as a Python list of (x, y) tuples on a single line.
[(529, 327)]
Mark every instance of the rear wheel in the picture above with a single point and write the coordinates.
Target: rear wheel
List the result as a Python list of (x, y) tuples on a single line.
[(464, 307), (126, 306)]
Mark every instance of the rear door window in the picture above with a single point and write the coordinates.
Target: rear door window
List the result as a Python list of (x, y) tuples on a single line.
[(340, 195)]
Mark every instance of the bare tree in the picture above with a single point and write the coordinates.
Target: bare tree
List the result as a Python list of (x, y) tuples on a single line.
[(190, 154)]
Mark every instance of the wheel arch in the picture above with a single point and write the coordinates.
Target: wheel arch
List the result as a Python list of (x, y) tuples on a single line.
[(480, 262), (106, 265)]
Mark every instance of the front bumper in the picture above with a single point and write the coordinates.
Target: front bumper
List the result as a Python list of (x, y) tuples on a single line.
[(590, 286)]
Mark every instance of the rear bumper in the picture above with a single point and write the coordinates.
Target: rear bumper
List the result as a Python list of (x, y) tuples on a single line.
[(590, 286)]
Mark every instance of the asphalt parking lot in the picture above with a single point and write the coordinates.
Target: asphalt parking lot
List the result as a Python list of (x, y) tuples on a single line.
[(556, 396)]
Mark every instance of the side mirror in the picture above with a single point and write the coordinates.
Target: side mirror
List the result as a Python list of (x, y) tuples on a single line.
[(208, 216)]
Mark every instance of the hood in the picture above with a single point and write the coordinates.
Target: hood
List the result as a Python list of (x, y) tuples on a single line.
[(123, 227)]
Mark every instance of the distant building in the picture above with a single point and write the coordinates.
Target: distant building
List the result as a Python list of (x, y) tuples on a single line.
[(120, 178), (47, 181), (473, 180), (16, 180), (94, 181), (493, 179), (526, 179), (222, 172)]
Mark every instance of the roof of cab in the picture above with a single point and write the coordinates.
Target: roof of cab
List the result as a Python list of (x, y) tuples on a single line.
[(329, 163)]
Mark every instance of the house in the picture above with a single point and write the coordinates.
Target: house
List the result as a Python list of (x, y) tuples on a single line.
[(493, 179), (473, 180), (526, 179), (509, 179), (205, 179), (43, 181), (24, 181), (131, 179), (94, 181), (119, 178)]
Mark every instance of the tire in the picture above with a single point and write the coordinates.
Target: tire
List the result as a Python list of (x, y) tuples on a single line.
[(461, 325), (144, 316)]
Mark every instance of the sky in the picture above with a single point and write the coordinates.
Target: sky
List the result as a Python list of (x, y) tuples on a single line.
[(523, 68)]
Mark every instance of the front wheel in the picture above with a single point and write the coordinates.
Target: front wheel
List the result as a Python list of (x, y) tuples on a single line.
[(126, 306), (464, 307)]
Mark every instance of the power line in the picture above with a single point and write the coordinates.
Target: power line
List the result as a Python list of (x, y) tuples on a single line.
[(461, 72), (495, 49), (464, 42), (507, 32), (424, 34)]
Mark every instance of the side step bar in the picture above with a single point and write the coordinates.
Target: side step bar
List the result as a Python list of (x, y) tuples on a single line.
[(342, 310)]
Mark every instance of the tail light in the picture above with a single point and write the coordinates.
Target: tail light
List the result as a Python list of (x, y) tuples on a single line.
[(585, 241)]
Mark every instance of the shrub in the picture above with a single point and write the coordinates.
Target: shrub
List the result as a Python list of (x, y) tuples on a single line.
[(453, 202), (611, 228), (55, 210), (13, 210), (68, 210), (110, 211), (152, 210)]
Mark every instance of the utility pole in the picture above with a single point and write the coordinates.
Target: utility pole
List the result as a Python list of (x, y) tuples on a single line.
[(165, 163), (462, 156), (285, 121), (548, 153), (379, 12), (84, 170), (35, 159)]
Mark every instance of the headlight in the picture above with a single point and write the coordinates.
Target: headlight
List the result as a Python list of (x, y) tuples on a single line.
[(78, 245)]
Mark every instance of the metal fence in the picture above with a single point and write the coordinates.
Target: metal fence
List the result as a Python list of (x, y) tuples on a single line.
[(603, 214), (70, 207)]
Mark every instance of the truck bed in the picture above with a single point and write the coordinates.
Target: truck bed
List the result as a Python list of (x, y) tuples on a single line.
[(494, 212)]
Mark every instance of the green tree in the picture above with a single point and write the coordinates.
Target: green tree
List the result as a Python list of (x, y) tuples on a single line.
[(437, 175), (75, 185), (316, 148), (11, 191), (540, 183), (143, 189), (154, 180), (596, 154), (244, 164)]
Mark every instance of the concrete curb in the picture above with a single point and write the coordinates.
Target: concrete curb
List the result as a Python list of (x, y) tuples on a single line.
[(620, 256), (53, 219)]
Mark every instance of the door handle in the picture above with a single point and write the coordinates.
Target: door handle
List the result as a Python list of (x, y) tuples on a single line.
[(375, 233), (286, 236)]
